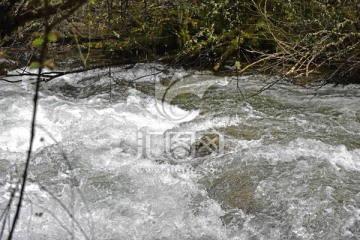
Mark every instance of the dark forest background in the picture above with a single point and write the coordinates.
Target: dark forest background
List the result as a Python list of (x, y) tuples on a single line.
[(314, 40)]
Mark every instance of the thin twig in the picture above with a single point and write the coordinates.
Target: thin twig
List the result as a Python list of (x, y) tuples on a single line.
[(32, 131)]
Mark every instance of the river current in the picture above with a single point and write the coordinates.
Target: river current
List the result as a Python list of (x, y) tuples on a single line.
[(117, 156)]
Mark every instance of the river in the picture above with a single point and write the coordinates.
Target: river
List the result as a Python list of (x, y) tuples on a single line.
[(151, 152)]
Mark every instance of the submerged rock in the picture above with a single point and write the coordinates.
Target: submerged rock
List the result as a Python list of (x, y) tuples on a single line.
[(234, 190), (6, 64), (206, 145)]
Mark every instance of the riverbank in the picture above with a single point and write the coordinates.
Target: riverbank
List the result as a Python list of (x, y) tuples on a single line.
[(68, 58), (287, 39)]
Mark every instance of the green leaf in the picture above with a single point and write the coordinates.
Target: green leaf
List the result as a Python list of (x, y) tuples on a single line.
[(36, 35), (35, 65), (217, 66), (37, 42), (52, 37), (49, 64)]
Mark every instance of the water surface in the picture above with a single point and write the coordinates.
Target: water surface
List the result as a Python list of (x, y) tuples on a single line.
[(288, 169)]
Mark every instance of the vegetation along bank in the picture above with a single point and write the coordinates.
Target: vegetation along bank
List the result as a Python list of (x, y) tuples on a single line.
[(314, 41)]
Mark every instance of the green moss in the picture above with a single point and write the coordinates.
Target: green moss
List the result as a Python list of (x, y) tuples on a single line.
[(238, 132), (358, 117), (234, 190)]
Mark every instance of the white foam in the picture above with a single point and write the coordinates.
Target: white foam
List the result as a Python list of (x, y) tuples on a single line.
[(132, 197)]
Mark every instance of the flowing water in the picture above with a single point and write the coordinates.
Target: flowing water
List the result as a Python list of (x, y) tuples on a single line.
[(114, 157)]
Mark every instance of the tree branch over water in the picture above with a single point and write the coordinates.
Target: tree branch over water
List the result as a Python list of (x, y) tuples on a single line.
[(13, 11), (32, 128), (17, 13)]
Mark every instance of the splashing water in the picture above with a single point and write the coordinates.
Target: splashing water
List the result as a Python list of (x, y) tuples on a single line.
[(289, 167)]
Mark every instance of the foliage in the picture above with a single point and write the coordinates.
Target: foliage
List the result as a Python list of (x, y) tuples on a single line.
[(18, 13), (289, 37), (315, 36)]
